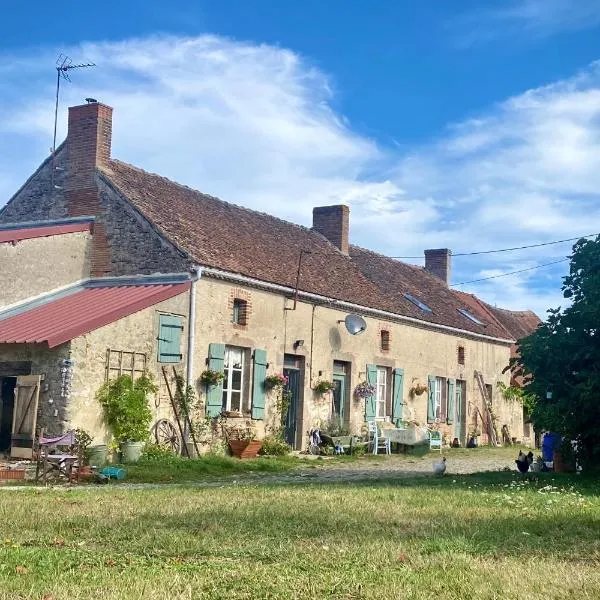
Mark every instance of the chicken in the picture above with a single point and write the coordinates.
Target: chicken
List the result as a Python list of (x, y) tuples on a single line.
[(439, 468), (524, 461)]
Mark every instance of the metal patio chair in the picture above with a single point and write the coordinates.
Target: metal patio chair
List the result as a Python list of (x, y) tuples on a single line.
[(376, 440), (58, 457)]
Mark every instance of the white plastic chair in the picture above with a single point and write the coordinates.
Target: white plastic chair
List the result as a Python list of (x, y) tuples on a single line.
[(376, 440), (435, 440)]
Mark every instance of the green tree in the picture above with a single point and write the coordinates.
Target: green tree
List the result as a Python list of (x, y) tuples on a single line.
[(562, 357)]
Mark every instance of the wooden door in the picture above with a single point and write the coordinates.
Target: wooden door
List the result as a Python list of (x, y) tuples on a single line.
[(27, 392)]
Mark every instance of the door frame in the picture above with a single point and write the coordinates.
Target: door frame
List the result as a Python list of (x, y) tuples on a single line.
[(298, 368), (342, 378), (460, 412)]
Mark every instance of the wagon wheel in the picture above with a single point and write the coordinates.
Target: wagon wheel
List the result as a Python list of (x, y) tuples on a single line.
[(166, 436)]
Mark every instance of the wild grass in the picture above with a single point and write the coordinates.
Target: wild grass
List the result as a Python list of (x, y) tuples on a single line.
[(485, 536)]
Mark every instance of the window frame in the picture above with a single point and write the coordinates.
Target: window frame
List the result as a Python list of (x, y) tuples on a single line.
[(465, 313), (239, 315), (418, 303), (228, 371), (381, 393), (385, 340)]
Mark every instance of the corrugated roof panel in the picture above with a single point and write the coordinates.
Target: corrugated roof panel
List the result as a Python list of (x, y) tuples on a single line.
[(68, 317)]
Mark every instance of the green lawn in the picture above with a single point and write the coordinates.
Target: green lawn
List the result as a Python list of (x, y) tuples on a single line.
[(459, 537)]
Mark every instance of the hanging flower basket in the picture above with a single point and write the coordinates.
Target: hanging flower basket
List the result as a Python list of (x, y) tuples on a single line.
[(275, 382), (364, 390), (419, 389), (322, 386), (211, 378)]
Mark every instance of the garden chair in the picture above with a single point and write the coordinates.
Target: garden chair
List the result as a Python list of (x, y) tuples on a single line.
[(435, 441), (58, 457), (376, 440)]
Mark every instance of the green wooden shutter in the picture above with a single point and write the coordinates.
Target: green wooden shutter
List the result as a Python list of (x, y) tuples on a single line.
[(451, 392), (169, 339), (431, 400), (397, 404), (258, 384), (214, 394), (370, 411)]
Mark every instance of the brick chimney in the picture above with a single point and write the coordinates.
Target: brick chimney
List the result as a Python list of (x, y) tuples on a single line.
[(334, 223), (88, 146), (438, 262)]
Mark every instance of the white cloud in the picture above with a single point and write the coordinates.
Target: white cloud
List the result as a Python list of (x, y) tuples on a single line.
[(527, 20), (253, 124)]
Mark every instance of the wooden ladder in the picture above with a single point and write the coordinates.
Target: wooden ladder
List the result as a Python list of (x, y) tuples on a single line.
[(487, 403)]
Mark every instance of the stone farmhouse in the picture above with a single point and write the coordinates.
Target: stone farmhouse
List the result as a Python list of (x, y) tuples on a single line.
[(107, 269)]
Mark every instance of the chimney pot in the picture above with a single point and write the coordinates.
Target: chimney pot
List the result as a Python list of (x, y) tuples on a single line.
[(333, 222), (438, 262)]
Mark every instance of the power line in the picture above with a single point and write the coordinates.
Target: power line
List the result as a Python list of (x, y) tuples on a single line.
[(511, 273), (511, 249)]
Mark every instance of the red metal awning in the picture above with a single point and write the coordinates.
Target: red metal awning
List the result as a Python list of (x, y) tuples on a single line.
[(85, 310), (27, 233)]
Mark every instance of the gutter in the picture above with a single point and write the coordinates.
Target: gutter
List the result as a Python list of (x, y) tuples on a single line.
[(342, 304)]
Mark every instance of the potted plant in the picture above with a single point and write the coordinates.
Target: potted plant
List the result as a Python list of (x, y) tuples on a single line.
[(125, 404), (82, 443), (363, 390), (211, 378), (322, 386), (336, 432), (241, 440), (276, 381)]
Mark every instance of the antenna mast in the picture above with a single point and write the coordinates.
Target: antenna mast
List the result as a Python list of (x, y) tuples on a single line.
[(64, 64)]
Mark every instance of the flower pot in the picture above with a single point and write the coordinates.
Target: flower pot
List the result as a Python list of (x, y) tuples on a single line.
[(245, 448), (96, 455), (561, 465), (132, 451)]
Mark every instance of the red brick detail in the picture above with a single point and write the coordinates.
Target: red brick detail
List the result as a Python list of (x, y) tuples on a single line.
[(88, 146), (245, 296), (460, 351), (385, 337), (333, 222)]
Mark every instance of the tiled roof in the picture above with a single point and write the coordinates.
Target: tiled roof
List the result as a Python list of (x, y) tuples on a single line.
[(85, 309), (225, 236), (232, 238), (397, 278), (518, 323)]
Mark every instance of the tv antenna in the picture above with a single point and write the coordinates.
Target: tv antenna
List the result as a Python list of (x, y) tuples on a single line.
[(64, 65)]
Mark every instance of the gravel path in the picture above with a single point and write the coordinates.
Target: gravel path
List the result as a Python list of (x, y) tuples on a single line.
[(334, 471)]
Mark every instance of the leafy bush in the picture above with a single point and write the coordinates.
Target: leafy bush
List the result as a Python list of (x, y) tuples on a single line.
[(156, 453), (275, 446), (125, 404)]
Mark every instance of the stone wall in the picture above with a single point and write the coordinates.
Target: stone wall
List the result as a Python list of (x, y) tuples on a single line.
[(39, 265), (52, 407), (135, 246), (135, 333), (418, 350), (38, 199)]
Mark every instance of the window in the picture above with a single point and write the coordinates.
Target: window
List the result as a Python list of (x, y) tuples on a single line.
[(169, 338), (418, 303), (466, 313), (385, 340), (440, 399), (461, 355), (240, 312), (233, 383), (381, 394)]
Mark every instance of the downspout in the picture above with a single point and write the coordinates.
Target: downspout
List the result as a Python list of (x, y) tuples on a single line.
[(195, 275)]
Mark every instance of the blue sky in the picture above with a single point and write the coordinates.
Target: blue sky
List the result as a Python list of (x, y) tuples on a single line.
[(465, 124)]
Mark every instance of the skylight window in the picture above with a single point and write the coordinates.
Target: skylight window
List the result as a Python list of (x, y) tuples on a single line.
[(466, 313), (418, 303)]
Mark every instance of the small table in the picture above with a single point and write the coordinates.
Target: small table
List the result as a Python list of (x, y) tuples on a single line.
[(410, 436)]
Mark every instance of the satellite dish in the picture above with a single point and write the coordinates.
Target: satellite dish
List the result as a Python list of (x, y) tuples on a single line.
[(355, 324)]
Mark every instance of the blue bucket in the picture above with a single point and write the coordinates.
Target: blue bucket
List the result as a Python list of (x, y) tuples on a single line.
[(550, 443), (113, 473)]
